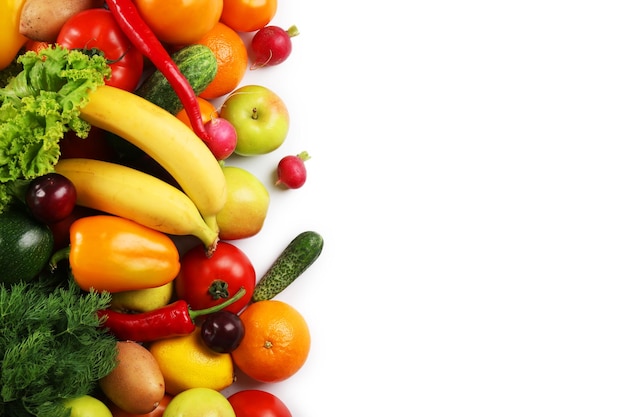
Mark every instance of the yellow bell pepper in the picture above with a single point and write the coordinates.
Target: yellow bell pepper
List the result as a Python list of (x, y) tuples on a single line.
[(10, 38)]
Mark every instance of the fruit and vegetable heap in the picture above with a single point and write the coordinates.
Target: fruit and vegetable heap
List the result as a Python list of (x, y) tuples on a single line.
[(122, 288)]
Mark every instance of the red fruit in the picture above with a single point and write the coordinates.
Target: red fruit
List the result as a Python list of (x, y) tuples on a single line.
[(271, 45), (258, 403), (291, 171), (50, 197), (222, 138)]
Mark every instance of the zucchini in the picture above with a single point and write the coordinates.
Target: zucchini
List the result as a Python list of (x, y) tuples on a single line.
[(25, 246), (196, 62), (301, 252)]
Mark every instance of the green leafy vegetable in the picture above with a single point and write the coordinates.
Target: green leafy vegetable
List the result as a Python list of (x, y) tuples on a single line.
[(52, 347), (38, 106)]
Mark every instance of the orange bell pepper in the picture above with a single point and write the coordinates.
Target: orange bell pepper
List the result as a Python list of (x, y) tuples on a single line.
[(11, 41), (111, 253)]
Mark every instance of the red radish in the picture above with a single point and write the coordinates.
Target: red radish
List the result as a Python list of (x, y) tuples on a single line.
[(221, 138), (291, 171), (271, 45)]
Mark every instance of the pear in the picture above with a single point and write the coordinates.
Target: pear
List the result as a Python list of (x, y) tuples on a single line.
[(143, 300)]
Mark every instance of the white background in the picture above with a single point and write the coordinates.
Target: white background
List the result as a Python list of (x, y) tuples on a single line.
[(468, 175)]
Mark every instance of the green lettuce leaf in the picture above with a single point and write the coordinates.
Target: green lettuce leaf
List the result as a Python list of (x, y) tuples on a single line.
[(38, 106)]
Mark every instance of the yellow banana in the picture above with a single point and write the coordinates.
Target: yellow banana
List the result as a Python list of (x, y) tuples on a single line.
[(135, 195), (166, 139)]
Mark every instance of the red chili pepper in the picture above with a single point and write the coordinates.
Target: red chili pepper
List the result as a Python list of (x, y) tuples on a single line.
[(175, 319), (143, 38)]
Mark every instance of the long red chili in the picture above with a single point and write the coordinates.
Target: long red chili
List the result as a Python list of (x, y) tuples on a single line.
[(174, 319), (139, 33)]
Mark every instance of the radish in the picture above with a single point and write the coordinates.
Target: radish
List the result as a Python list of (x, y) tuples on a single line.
[(291, 171), (222, 137), (271, 45)]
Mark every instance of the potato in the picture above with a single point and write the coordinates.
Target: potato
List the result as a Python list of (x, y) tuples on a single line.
[(41, 20), (136, 385)]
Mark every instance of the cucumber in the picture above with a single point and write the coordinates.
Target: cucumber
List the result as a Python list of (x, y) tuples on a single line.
[(301, 252), (196, 62), (25, 246)]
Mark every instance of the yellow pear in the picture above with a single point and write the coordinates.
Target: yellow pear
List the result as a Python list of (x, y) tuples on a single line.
[(143, 300)]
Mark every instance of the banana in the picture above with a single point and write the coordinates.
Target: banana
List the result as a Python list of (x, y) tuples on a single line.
[(166, 139), (135, 195)]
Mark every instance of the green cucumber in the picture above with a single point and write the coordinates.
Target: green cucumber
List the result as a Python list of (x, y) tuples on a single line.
[(301, 252), (196, 62), (25, 245)]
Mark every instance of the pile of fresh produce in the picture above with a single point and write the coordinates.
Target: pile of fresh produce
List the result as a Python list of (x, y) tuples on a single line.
[(123, 290)]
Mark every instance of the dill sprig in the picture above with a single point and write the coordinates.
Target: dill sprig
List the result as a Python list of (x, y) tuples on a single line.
[(52, 347)]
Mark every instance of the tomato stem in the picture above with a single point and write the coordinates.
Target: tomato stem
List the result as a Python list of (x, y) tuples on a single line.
[(218, 289)]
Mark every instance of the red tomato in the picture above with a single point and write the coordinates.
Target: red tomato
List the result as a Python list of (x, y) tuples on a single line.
[(97, 29), (207, 281), (257, 403)]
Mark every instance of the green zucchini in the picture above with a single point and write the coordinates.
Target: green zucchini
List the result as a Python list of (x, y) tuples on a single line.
[(25, 245), (301, 252), (196, 62)]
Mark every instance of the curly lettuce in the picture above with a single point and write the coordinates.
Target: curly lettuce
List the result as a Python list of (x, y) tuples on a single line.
[(38, 106)]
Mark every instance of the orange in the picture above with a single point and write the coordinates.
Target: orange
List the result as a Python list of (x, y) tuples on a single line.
[(276, 341), (187, 362), (180, 22), (232, 60), (248, 15), (207, 111)]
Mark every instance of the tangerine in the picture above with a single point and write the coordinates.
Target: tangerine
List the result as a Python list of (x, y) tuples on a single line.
[(186, 362), (276, 342), (231, 55)]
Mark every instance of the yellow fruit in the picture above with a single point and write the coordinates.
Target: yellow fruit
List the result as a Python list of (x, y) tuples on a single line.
[(186, 362), (87, 406), (143, 300), (199, 402), (247, 203)]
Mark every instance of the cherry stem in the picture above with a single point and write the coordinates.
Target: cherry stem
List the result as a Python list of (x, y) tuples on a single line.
[(195, 313)]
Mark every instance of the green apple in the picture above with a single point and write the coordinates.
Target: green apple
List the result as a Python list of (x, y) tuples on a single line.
[(199, 402), (143, 300), (87, 406), (260, 118), (247, 203)]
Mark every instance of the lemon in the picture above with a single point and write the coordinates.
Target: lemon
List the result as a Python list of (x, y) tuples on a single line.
[(186, 362)]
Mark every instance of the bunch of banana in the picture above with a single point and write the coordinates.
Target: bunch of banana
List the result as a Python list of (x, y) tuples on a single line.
[(138, 196)]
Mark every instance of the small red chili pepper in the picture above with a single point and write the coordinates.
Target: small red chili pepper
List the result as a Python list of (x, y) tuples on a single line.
[(143, 38), (175, 319)]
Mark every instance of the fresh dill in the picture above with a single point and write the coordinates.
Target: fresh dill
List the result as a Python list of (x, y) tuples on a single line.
[(52, 347)]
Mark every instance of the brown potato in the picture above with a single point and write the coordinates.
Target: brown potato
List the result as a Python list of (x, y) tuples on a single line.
[(136, 385), (41, 20)]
